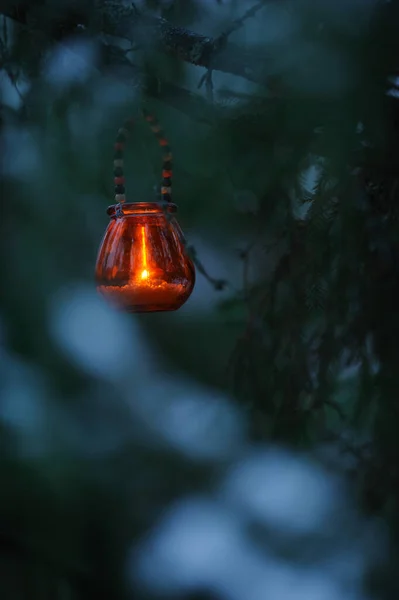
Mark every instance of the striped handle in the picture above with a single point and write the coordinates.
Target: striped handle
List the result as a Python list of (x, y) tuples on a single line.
[(119, 178)]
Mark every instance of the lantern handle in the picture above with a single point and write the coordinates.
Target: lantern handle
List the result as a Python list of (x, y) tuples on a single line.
[(119, 148)]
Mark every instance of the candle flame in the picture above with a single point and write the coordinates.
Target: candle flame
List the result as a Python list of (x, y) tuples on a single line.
[(144, 273)]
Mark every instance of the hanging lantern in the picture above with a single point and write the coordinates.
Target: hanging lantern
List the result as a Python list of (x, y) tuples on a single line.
[(142, 264)]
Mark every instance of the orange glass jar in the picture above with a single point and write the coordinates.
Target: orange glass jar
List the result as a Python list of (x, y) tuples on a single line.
[(142, 264)]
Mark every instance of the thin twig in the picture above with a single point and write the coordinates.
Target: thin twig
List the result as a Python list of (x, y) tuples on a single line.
[(5, 60), (5, 32), (238, 23), (209, 86), (218, 284), (207, 79), (219, 44), (338, 409)]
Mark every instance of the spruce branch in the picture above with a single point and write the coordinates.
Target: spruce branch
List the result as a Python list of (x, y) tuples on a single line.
[(192, 105), (126, 22)]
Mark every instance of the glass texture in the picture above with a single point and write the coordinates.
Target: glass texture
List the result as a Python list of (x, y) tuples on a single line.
[(142, 264)]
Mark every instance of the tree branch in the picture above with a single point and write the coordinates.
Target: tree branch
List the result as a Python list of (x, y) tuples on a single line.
[(192, 105), (125, 21)]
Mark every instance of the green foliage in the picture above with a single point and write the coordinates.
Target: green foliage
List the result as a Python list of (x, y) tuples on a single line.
[(296, 312)]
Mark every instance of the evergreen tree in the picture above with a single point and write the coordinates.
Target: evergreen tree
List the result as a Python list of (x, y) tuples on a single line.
[(284, 122)]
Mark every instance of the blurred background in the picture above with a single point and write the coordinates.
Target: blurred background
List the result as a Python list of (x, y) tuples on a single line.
[(244, 447)]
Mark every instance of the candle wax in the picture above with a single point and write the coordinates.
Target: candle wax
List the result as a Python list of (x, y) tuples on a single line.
[(143, 296)]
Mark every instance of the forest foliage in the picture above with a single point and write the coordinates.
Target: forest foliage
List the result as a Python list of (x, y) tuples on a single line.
[(245, 447)]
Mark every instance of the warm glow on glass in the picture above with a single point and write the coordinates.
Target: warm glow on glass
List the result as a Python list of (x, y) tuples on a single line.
[(142, 264), (144, 274)]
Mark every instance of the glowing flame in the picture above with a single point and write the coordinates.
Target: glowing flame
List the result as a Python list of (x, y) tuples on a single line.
[(144, 273)]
